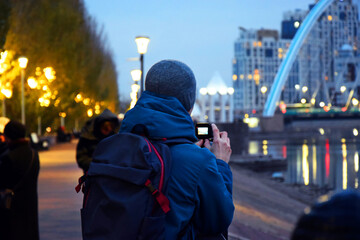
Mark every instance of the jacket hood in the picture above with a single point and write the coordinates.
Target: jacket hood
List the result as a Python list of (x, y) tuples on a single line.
[(91, 130), (163, 116)]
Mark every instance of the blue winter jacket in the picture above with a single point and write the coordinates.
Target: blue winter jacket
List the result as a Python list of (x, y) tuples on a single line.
[(200, 186)]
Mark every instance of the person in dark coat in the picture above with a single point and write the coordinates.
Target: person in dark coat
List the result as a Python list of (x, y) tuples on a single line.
[(19, 171), (95, 129), (333, 217)]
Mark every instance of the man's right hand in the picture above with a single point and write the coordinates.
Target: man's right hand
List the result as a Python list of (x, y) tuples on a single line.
[(221, 144)]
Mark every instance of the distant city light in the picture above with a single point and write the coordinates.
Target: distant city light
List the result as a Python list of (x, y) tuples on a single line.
[(223, 91), (234, 77), (62, 114), (48, 129), (355, 102), (355, 132), (32, 82), (203, 91), (342, 89), (211, 91), (329, 17), (313, 101), (121, 116), (241, 76), (303, 101), (78, 98), (296, 24), (282, 107), (7, 92), (263, 89), (321, 104), (90, 112), (86, 101), (304, 89), (297, 86), (230, 91), (49, 73), (322, 131)]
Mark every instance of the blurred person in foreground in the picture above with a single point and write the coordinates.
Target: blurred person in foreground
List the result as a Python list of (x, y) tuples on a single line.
[(200, 182), (95, 129), (334, 217), (19, 172)]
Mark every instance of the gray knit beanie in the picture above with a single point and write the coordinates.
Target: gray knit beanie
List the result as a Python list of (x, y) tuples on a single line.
[(172, 78)]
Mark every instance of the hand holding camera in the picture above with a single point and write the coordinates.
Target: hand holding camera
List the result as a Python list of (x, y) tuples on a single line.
[(221, 143)]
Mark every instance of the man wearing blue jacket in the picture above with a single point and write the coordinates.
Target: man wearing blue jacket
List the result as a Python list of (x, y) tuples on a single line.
[(200, 185)]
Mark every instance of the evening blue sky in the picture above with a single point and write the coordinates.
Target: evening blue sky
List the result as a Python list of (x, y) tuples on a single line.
[(201, 33)]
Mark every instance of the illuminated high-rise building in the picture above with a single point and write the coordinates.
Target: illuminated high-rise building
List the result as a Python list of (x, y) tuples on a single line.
[(258, 54)]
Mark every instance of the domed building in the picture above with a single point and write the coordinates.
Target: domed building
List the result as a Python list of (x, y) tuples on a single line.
[(215, 101)]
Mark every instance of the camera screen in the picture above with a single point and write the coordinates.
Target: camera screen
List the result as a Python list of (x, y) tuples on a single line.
[(203, 130)]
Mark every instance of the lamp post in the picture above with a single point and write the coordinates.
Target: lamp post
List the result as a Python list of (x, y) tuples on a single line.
[(22, 64), (142, 43), (135, 75)]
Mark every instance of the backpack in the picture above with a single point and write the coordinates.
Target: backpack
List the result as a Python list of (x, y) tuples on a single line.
[(125, 188)]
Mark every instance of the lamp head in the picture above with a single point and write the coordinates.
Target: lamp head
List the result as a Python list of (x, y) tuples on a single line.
[(23, 62), (142, 43), (136, 74)]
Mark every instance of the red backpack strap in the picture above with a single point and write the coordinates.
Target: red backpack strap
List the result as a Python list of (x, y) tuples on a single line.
[(159, 196), (81, 183)]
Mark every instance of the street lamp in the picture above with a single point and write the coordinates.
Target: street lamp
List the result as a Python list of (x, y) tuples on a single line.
[(136, 75), (22, 64), (142, 43)]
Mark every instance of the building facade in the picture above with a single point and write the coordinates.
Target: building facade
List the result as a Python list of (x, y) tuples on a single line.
[(258, 54)]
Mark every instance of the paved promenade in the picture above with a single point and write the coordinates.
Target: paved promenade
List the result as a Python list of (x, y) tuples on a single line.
[(59, 204)]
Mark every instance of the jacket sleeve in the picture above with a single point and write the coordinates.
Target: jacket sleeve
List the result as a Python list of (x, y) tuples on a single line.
[(215, 208), (83, 155)]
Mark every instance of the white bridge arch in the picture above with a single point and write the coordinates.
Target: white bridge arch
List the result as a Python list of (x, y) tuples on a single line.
[(285, 67)]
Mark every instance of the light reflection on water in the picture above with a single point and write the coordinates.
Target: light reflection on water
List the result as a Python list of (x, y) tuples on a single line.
[(326, 163)]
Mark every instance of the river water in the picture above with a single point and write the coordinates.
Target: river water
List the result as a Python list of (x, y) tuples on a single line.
[(323, 162)]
